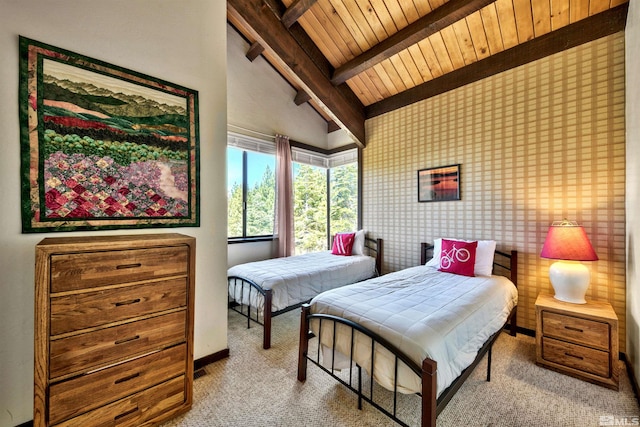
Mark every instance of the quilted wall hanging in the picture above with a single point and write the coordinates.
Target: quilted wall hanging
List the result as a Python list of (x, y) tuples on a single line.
[(104, 147)]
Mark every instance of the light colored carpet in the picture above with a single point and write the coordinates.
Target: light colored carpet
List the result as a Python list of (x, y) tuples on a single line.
[(256, 387)]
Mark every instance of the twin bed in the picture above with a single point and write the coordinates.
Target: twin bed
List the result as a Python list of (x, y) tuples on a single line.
[(418, 330), (264, 289)]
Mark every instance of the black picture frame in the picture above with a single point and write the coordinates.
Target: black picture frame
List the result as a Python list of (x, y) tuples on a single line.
[(439, 184)]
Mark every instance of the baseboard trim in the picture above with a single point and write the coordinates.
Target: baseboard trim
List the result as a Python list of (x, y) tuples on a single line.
[(631, 374), (519, 330), (204, 361), (525, 331)]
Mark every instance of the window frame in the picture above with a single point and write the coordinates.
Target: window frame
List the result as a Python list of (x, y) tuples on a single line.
[(249, 144), (245, 193)]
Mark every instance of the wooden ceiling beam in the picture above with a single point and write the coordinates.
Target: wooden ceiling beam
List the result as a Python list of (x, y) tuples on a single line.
[(332, 127), (442, 17), (583, 31), (301, 97), (295, 11), (254, 51), (267, 29)]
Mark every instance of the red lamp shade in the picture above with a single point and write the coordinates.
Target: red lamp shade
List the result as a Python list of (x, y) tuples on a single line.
[(568, 241)]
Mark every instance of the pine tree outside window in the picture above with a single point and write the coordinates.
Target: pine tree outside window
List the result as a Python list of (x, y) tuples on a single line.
[(250, 193), (325, 193)]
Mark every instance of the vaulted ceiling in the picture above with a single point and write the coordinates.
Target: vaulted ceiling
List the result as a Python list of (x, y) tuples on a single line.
[(356, 59)]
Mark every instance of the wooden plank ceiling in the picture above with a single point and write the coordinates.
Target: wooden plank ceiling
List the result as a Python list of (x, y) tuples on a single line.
[(356, 59)]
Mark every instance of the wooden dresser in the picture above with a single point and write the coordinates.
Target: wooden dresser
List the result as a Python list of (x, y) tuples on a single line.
[(113, 329), (578, 339)]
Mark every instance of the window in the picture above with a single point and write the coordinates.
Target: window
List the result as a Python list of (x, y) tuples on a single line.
[(325, 197), (310, 208), (250, 193), (325, 192), (343, 190)]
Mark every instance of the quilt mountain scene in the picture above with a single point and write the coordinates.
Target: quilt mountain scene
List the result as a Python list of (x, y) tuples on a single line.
[(110, 148)]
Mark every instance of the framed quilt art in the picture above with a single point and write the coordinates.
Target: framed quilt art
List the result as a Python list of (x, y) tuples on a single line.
[(104, 147)]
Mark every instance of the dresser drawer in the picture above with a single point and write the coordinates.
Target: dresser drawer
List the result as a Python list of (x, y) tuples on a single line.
[(69, 398), (74, 271), (135, 410), (581, 331), (575, 356), (99, 348), (86, 310)]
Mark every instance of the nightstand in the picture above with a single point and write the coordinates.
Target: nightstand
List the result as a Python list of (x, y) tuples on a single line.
[(580, 340)]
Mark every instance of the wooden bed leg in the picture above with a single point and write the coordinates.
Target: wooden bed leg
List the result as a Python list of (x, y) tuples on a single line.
[(513, 322), (304, 343), (429, 392), (266, 340), (489, 363), (379, 256), (423, 253)]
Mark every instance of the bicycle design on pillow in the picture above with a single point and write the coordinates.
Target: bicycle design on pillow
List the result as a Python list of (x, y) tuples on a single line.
[(448, 257)]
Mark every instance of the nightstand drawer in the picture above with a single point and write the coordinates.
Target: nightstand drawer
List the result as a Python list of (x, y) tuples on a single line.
[(86, 310), (69, 398), (575, 356), (575, 329), (70, 272), (99, 348)]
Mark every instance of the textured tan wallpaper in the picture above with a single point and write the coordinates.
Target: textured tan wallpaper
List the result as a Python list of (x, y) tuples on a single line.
[(538, 143)]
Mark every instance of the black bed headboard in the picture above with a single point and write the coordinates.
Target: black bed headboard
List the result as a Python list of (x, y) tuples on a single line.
[(504, 263), (375, 246)]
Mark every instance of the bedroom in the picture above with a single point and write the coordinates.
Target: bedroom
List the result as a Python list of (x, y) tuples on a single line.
[(160, 41)]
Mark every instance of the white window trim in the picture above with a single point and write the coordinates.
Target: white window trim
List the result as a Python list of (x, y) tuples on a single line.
[(298, 155)]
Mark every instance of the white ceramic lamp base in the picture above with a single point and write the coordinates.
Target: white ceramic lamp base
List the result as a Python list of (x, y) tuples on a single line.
[(570, 281)]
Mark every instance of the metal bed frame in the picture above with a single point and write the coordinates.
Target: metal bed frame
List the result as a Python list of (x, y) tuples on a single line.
[(372, 246), (505, 264)]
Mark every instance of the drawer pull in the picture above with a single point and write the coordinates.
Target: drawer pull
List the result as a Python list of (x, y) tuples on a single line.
[(129, 302), (127, 340), (573, 355), (127, 378), (123, 266), (124, 414), (574, 329)]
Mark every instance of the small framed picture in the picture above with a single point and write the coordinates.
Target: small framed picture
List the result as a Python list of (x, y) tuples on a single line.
[(439, 184)]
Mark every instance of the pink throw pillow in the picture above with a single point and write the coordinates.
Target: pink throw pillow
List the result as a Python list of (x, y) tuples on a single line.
[(343, 243), (458, 257)]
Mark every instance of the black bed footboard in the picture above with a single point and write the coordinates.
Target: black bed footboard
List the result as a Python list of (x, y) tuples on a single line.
[(241, 290), (388, 400), (245, 296)]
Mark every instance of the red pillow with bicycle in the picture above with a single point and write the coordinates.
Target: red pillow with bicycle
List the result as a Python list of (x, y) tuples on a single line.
[(458, 257)]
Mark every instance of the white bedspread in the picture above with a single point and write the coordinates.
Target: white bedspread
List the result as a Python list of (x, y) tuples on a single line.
[(423, 312), (299, 278)]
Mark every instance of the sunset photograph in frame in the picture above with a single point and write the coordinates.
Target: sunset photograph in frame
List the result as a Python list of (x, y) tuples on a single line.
[(439, 184)]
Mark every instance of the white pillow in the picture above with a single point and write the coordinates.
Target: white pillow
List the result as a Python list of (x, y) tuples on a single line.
[(484, 256), (358, 243)]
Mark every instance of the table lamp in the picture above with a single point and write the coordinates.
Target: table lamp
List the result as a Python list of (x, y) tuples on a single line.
[(568, 243)]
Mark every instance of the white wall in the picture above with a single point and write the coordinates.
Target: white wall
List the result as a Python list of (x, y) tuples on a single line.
[(632, 199), (260, 100), (181, 41), (239, 253)]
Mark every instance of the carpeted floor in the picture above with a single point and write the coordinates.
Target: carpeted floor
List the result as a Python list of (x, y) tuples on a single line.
[(256, 387)]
